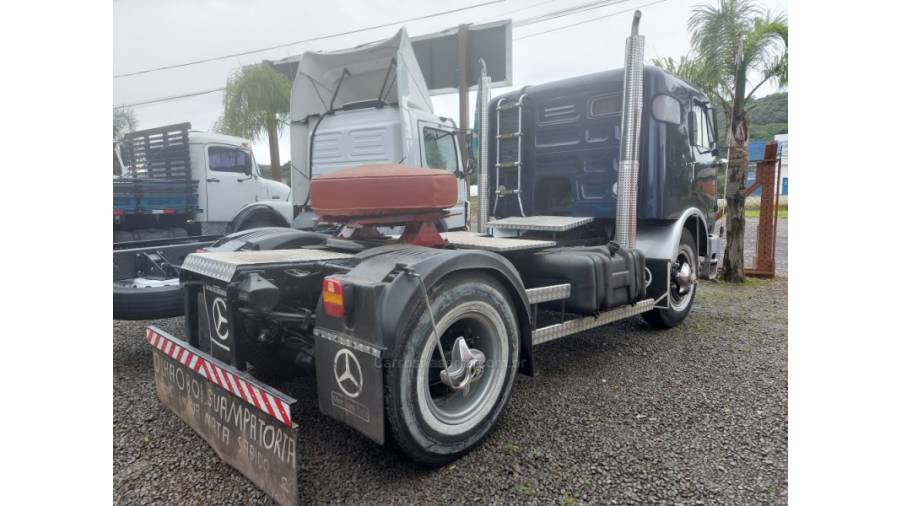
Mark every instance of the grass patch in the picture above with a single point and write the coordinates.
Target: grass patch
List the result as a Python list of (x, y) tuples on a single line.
[(751, 209), (751, 281), (512, 449), (568, 499), (754, 212), (525, 489)]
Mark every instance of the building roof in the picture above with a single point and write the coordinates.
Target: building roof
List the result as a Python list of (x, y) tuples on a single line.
[(756, 149)]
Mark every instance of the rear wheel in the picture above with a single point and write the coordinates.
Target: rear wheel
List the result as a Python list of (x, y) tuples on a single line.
[(436, 417), (682, 286), (147, 299)]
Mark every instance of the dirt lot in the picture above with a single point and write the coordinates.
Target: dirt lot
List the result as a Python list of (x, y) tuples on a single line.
[(620, 415)]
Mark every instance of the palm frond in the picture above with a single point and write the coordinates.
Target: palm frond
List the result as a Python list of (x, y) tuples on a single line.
[(124, 121), (254, 96)]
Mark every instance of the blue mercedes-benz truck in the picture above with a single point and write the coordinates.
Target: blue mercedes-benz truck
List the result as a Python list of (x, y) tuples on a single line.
[(597, 203)]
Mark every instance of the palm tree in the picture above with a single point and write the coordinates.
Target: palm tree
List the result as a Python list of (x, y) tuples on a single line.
[(257, 99), (124, 121), (736, 46)]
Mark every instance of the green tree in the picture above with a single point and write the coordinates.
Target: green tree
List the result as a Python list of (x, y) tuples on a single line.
[(736, 47), (257, 101), (124, 121)]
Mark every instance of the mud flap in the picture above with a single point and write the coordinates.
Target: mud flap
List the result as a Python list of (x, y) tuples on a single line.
[(350, 382), (247, 423)]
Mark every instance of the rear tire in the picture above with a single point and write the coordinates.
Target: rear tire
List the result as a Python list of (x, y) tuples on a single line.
[(680, 303), (430, 422), (150, 303)]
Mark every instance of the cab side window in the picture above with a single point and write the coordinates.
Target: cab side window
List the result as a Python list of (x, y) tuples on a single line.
[(440, 149), (223, 159), (702, 127)]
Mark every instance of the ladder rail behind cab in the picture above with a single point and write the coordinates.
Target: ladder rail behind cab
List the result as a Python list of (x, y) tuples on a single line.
[(501, 189)]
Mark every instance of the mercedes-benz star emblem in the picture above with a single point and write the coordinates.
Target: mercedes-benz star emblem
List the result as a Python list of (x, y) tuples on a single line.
[(220, 320), (348, 373)]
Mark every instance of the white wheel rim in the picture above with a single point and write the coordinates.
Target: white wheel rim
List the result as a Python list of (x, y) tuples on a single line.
[(684, 256), (474, 408)]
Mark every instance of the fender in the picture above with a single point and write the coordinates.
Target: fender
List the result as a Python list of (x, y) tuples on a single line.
[(659, 240), (280, 213), (389, 296)]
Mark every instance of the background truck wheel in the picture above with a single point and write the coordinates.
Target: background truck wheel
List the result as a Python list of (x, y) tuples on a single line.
[(683, 287), (133, 301), (431, 422), (258, 222)]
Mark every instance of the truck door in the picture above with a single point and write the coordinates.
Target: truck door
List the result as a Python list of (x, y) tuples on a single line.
[(703, 149), (439, 151), (229, 181)]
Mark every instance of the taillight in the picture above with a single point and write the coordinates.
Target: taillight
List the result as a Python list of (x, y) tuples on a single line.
[(333, 297)]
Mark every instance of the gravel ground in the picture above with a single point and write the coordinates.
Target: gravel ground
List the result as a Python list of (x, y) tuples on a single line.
[(619, 415)]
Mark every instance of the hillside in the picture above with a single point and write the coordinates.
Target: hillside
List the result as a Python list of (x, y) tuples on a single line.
[(768, 117)]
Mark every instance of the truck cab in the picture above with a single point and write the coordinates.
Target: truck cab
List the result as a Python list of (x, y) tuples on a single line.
[(368, 105), (230, 178)]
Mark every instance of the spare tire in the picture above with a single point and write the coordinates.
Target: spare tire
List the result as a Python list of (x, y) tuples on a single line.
[(147, 302)]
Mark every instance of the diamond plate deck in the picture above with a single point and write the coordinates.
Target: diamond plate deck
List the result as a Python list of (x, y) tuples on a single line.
[(548, 293), (222, 264), (551, 332), (474, 240), (542, 223)]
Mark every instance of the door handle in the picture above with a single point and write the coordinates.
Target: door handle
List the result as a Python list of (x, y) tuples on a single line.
[(212, 180), (244, 179)]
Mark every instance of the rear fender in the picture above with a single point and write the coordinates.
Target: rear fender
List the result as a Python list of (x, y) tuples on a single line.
[(382, 287)]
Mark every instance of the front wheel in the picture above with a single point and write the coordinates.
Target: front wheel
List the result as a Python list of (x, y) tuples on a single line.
[(682, 286), (436, 416)]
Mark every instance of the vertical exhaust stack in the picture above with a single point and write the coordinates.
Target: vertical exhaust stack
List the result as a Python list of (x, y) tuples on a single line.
[(629, 146), (484, 193)]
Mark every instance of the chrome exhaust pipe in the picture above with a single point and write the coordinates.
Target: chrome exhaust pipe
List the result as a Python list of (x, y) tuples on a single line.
[(629, 145), (484, 192)]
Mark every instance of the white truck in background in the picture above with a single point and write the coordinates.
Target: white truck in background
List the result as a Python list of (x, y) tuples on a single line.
[(336, 123), (176, 190)]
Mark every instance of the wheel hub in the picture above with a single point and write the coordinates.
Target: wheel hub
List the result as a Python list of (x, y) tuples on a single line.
[(685, 278), (466, 366)]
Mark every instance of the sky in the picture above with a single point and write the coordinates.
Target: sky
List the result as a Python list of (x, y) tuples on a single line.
[(165, 32)]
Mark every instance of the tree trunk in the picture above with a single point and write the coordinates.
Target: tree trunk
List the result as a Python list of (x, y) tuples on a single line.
[(274, 158), (737, 177)]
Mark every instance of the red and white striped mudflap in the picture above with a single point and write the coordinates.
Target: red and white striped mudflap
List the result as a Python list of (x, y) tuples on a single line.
[(231, 382)]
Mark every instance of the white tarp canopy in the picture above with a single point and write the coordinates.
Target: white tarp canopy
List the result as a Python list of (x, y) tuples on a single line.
[(370, 73)]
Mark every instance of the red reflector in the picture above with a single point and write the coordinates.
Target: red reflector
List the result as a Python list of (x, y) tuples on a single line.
[(333, 297), (168, 211), (118, 212)]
